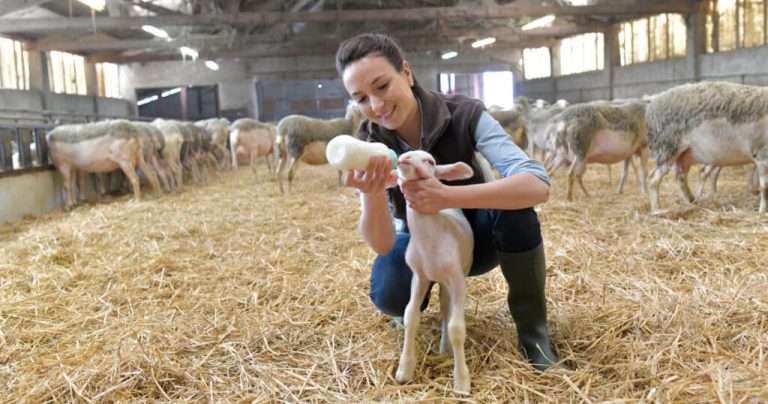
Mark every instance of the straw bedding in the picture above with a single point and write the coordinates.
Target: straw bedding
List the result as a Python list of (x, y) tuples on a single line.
[(228, 292)]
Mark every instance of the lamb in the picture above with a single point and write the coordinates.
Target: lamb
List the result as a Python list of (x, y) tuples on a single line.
[(440, 250), (251, 138), (97, 147), (600, 132), (304, 139), (711, 123)]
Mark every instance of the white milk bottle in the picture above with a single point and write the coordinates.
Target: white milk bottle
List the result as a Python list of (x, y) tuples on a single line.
[(348, 153)]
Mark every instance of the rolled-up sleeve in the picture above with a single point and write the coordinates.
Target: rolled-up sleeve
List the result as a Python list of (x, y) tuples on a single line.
[(503, 154)]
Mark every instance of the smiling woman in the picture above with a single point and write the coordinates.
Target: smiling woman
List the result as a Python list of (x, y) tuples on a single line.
[(405, 117)]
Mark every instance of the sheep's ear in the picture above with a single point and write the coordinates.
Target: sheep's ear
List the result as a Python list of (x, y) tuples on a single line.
[(455, 171), (392, 179)]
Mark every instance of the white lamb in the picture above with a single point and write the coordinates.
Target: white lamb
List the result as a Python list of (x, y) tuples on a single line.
[(440, 250)]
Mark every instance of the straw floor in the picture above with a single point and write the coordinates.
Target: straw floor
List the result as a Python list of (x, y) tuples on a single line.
[(229, 292)]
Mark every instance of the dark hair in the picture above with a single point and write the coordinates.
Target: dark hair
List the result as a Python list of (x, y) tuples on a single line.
[(358, 47)]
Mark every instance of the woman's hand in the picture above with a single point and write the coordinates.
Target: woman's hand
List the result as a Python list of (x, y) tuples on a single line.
[(425, 196), (374, 178)]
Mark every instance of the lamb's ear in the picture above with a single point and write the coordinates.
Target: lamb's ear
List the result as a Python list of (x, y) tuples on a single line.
[(455, 171), (392, 179)]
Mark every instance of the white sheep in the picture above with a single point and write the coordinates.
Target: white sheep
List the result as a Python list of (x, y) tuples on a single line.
[(711, 123), (440, 250), (172, 151), (301, 138), (254, 139), (97, 147), (513, 122), (218, 130), (600, 132)]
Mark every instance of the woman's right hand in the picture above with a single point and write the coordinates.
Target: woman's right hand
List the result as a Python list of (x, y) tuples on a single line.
[(374, 178)]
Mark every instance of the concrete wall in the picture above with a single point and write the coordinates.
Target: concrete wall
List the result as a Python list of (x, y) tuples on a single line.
[(741, 66), (233, 80), (17, 99), (29, 194)]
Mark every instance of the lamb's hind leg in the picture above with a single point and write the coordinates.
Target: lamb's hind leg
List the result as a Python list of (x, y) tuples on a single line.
[(457, 331), (419, 288)]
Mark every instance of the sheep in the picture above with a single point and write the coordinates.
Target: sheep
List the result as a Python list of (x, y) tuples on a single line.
[(538, 120), (600, 132), (172, 150), (97, 147), (252, 138), (440, 250), (153, 144), (514, 124), (711, 123), (304, 139), (218, 130)]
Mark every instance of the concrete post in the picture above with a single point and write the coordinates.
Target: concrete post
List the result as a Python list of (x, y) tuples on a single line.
[(695, 44)]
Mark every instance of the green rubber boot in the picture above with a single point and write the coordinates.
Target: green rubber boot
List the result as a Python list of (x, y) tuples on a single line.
[(525, 275)]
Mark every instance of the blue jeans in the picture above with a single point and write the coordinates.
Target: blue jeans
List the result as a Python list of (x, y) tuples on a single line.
[(509, 231)]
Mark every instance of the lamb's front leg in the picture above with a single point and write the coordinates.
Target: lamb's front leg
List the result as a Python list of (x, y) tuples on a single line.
[(445, 315), (457, 331), (419, 287)]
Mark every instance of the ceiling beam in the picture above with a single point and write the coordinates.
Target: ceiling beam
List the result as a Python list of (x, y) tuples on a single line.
[(265, 51), (202, 42), (31, 25), (9, 6)]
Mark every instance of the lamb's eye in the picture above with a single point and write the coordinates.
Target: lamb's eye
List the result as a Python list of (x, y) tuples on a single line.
[(430, 162)]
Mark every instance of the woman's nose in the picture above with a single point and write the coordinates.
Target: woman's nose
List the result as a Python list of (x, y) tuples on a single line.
[(377, 104)]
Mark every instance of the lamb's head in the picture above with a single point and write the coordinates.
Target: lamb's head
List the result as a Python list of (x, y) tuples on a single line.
[(418, 165)]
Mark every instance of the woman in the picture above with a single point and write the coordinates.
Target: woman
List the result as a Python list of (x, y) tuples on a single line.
[(404, 116)]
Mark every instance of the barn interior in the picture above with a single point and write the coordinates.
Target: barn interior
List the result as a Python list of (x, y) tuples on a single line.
[(232, 289)]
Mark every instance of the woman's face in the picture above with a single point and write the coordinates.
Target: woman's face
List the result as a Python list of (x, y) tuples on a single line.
[(382, 93)]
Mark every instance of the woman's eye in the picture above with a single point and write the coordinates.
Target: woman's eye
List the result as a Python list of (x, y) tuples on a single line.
[(383, 87), (361, 100)]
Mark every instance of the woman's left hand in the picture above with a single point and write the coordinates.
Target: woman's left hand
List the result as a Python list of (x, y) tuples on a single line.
[(425, 196)]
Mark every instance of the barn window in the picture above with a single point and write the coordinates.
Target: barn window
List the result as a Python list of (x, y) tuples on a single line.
[(581, 53), (66, 73), (733, 24), (108, 76), (653, 38), (14, 65), (536, 63)]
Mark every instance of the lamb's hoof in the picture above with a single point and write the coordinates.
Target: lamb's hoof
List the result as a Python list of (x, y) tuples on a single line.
[(462, 386), (404, 374)]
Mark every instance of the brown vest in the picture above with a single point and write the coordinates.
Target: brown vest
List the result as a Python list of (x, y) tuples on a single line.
[(448, 127)]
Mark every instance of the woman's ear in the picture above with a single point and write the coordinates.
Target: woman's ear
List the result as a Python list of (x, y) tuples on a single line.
[(408, 73)]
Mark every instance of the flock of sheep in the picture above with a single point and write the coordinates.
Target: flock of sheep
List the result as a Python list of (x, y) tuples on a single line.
[(715, 124), (166, 152)]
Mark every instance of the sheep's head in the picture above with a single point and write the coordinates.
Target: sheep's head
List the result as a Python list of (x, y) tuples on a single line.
[(418, 164)]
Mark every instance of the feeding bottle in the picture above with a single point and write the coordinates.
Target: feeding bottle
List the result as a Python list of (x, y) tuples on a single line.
[(348, 153)]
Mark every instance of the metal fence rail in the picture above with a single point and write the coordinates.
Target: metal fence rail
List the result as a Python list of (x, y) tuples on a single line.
[(17, 156)]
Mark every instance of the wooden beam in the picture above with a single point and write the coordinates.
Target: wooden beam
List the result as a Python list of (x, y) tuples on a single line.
[(203, 42), (328, 49), (9, 6), (31, 25)]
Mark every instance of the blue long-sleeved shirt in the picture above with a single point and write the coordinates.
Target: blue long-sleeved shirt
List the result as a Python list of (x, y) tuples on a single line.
[(497, 147)]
